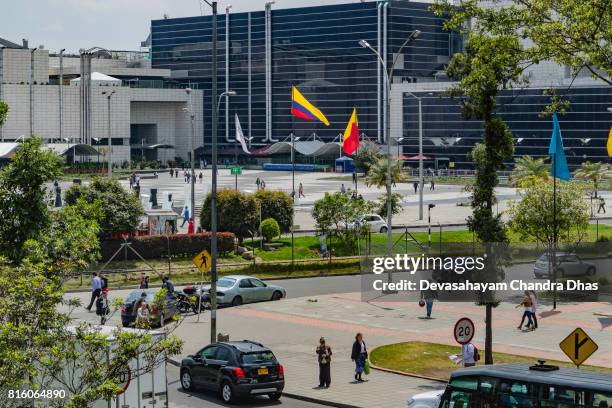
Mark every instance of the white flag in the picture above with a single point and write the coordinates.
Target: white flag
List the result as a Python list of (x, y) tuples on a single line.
[(240, 136)]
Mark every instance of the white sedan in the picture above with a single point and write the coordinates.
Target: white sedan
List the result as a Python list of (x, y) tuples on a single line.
[(429, 399), (375, 222)]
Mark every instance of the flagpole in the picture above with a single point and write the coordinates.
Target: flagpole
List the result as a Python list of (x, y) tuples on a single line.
[(554, 252), (236, 159)]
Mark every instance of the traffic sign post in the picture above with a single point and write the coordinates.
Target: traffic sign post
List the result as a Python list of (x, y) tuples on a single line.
[(202, 261), (236, 170), (464, 330), (578, 346)]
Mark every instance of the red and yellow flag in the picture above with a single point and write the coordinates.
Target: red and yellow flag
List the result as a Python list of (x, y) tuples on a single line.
[(610, 143), (350, 142)]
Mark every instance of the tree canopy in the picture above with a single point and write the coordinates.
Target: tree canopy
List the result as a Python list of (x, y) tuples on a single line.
[(237, 212)]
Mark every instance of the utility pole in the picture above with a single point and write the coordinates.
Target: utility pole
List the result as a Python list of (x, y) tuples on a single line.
[(213, 193), (110, 145)]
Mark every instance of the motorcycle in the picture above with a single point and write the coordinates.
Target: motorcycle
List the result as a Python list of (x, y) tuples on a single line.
[(189, 299)]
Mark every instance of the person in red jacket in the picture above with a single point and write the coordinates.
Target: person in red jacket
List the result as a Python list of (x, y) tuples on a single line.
[(190, 227)]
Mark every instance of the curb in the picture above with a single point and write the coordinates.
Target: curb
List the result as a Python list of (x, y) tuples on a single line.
[(405, 374), (292, 395)]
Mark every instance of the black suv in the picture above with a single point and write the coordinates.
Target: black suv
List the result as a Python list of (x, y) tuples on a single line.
[(235, 369)]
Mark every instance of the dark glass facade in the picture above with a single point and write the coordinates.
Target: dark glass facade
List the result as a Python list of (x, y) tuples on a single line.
[(447, 135), (315, 48)]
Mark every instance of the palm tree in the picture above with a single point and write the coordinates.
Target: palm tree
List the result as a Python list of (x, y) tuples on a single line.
[(593, 172), (377, 176), (527, 167)]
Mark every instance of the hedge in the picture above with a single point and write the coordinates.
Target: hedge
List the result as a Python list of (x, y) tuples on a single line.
[(156, 246)]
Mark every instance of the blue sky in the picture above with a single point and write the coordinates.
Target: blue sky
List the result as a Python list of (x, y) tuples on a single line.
[(112, 24)]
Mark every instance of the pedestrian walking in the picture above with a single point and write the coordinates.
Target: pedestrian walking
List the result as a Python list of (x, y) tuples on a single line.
[(131, 178), (171, 172), (190, 226), (258, 183), (176, 172), (469, 355), (96, 289), (342, 189), (205, 164), (432, 185), (143, 313), (416, 186), (301, 191), (185, 216), (102, 306), (428, 296), (359, 355), (526, 304), (144, 282), (201, 177), (263, 185), (168, 285), (602, 205), (58, 194), (324, 354), (534, 307), (354, 178)]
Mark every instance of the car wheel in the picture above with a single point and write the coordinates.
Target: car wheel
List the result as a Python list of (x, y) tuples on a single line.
[(591, 271), (162, 320), (277, 295), (275, 396), (237, 301), (227, 392), (125, 324), (383, 229), (186, 382)]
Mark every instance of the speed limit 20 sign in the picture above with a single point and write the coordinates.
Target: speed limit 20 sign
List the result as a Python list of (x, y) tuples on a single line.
[(464, 330)]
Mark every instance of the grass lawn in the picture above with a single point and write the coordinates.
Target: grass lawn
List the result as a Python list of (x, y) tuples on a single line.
[(431, 359)]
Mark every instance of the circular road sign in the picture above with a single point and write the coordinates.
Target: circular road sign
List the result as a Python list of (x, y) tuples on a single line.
[(464, 330)]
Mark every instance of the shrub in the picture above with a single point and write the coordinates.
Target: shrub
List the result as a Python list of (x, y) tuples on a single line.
[(269, 229), (156, 246), (236, 212), (277, 205), (122, 210)]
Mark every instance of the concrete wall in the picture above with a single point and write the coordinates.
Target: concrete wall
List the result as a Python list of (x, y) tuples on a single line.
[(16, 66)]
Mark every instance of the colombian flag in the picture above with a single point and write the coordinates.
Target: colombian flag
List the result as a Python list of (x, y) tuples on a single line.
[(610, 143), (301, 108), (351, 134)]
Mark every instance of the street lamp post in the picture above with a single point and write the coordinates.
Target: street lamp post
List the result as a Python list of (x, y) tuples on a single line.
[(399, 141), (421, 176), (388, 75), (293, 140), (192, 178), (429, 207), (60, 89), (32, 51), (109, 94), (213, 216)]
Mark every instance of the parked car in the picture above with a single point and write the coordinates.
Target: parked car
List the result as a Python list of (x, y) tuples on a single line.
[(429, 399), (158, 318), (238, 289), (568, 264), (375, 222), (235, 369)]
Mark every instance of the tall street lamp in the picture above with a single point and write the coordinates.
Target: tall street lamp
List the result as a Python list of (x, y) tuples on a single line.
[(192, 178), (109, 94), (388, 75), (421, 175), (213, 220), (32, 51), (293, 140)]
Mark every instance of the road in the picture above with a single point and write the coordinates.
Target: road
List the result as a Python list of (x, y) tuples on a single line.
[(178, 398)]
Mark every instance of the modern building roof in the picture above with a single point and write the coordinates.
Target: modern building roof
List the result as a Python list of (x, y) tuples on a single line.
[(306, 148), (8, 149), (97, 76), (8, 44)]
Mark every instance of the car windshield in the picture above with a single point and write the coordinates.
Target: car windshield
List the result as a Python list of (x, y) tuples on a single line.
[(226, 282), (258, 357), (136, 295)]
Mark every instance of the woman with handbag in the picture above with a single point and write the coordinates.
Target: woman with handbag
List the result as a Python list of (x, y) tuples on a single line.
[(324, 354), (359, 354)]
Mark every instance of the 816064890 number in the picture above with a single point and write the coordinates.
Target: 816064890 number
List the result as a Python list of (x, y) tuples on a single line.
[(36, 394)]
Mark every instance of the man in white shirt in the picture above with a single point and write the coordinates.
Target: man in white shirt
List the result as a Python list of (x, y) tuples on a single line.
[(96, 289), (467, 355)]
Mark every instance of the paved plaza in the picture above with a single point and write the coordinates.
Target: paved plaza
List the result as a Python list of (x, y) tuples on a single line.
[(292, 327)]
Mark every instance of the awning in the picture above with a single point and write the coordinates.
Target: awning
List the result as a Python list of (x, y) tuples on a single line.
[(306, 148), (418, 157), (8, 149)]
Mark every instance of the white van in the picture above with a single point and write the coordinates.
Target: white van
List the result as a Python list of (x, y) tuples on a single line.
[(149, 389)]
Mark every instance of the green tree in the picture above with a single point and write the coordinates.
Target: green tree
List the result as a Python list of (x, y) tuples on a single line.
[(122, 210), (532, 217), (3, 112), (23, 207), (277, 205), (269, 229), (366, 155), (396, 205), (527, 169), (237, 212), (377, 175), (492, 61), (596, 173), (336, 214)]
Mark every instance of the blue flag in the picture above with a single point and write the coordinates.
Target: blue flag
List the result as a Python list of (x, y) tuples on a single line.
[(559, 168)]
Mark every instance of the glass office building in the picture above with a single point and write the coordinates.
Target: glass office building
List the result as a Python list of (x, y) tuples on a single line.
[(263, 53)]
